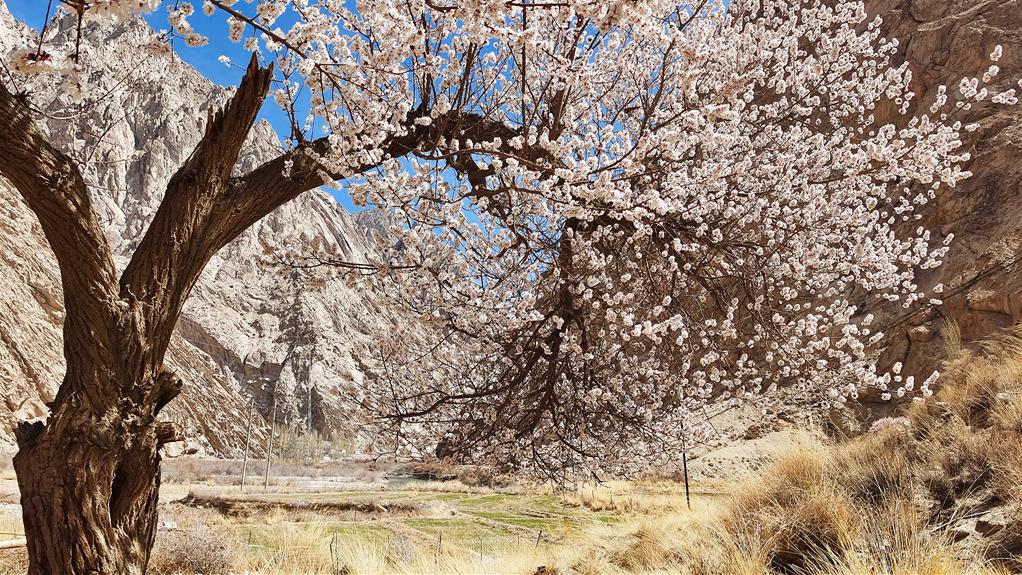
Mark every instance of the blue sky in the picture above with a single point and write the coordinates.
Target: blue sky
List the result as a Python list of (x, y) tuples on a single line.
[(205, 59)]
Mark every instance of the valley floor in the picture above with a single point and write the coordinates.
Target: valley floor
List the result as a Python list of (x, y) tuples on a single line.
[(398, 525)]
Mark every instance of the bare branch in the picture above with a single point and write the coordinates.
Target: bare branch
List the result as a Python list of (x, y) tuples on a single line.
[(55, 191)]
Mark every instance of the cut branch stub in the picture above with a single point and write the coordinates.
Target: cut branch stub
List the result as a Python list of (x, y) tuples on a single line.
[(168, 432), (168, 386)]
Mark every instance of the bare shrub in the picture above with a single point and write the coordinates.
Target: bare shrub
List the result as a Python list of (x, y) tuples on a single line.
[(189, 470), (198, 543), (480, 476)]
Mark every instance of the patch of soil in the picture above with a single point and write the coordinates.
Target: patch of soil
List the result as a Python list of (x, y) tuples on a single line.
[(231, 507)]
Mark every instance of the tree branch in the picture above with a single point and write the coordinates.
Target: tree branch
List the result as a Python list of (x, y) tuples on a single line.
[(53, 188), (188, 227), (282, 179), (55, 191)]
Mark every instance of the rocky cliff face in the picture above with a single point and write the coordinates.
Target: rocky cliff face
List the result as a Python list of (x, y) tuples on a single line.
[(943, 41), (250, 327)]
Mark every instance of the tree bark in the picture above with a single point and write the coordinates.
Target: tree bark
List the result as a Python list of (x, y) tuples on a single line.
[(89, 508)]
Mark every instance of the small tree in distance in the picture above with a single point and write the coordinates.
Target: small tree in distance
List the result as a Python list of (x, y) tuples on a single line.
[(614, 213)]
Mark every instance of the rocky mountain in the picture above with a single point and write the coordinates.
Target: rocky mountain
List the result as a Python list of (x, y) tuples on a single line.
[(252, 327)]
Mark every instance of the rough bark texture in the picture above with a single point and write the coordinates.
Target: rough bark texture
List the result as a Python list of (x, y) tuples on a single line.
[(89, 476)]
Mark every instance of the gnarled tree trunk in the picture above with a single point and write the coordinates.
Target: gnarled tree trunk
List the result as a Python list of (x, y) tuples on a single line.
[(89, 507), (90, 475)]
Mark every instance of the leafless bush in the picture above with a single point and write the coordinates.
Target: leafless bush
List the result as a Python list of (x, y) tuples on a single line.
[(198, 543), (477, 476)]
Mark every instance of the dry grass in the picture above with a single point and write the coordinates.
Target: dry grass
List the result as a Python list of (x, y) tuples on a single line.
[(972, 430), (6, 466), (876, 467), (12, 560), (681, 543), (650, 497), (287, 548), (897, 542), (796, 516), (281, 547), (193, 470), (200, 543), (889, 501)]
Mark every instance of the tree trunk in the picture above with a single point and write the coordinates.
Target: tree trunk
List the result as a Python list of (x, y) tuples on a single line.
[(90, 475), (90, 479), (89, 508)]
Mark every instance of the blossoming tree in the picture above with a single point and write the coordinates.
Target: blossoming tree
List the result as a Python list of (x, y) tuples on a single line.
[(613, 214)]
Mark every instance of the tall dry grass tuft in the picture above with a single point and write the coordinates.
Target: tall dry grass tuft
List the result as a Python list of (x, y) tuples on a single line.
[(952, 337), (288, 548), (876, 467), (680, 543), (795, 517), (971, 431), (897, 541)]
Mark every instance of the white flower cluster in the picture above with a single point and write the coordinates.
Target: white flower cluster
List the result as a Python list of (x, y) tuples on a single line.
[(178, 19), (31, 61), (666, 217), (118, 9)]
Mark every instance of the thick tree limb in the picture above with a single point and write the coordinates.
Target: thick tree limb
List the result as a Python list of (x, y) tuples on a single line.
[(168, 386), (262, 190), (53, 187), (169, 432), (188, 226)]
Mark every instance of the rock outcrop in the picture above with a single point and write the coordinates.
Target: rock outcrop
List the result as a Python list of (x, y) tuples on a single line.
[(944, 41), (251, 328)]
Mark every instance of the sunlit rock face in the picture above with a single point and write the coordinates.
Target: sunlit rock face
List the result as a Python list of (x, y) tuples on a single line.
[(250, 326), (943, 41)]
